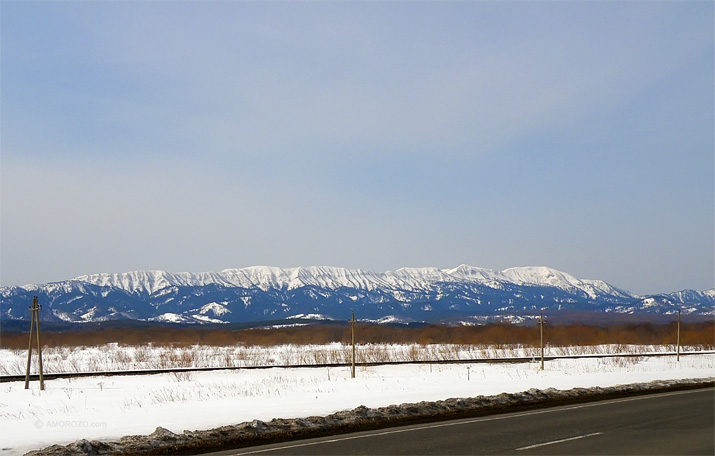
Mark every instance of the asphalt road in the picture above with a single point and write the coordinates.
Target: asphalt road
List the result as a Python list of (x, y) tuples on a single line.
[(674, 423)]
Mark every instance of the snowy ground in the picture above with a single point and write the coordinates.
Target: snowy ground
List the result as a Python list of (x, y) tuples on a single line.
[(111, 357), (110, 407)]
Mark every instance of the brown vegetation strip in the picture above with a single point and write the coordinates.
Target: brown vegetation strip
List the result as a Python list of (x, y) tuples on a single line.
[(691, 334)]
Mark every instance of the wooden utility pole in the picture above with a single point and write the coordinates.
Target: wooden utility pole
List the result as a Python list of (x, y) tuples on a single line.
[(352, 333), (34, 323), (677, 357), (541, 331)]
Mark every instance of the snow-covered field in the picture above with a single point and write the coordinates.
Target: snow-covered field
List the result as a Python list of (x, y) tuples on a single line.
[(110, 407), (113, 356)]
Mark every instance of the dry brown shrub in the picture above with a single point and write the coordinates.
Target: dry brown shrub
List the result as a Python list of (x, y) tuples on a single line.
[(700, 334)]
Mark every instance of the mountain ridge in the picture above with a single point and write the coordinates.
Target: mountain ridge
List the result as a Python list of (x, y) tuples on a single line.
[(332, 277), (254, 293)]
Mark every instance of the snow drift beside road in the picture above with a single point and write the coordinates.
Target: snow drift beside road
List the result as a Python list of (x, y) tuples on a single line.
[(106, 408)]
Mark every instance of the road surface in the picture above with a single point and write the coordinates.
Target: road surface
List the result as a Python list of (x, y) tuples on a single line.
[(681, 422)]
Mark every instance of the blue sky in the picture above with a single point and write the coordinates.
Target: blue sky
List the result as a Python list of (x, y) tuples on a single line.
[(198, 136)]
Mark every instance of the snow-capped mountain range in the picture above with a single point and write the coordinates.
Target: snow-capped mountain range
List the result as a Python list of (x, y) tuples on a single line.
[(269, 293)]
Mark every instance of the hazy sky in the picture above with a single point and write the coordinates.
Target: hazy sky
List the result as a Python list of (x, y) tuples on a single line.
[(199, 136)]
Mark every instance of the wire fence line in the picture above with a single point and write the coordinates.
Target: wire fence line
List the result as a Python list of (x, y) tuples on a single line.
[(522, 359)]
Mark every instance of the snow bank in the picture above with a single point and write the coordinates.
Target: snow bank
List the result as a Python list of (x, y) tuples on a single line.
[(163, 441)]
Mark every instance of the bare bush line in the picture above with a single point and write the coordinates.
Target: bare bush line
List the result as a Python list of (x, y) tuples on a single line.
[(115, 357), (692, 333)]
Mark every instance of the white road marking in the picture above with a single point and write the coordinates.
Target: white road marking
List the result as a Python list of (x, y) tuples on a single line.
[(475, 420), (558, 441)]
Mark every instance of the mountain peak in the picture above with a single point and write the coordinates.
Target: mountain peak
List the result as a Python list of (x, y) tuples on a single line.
[(540, 275)]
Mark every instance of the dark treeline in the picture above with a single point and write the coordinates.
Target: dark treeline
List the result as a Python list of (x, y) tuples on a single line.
[(700, 334)]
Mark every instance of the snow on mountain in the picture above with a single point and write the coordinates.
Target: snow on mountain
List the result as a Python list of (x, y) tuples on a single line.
[(308, 317), (133, 282), (688, 301), (263, 277), (540, 276), (270, 293), (689, 295), (214, 308), (466, 272), (170, 317), (543, 276), (411, 279)]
